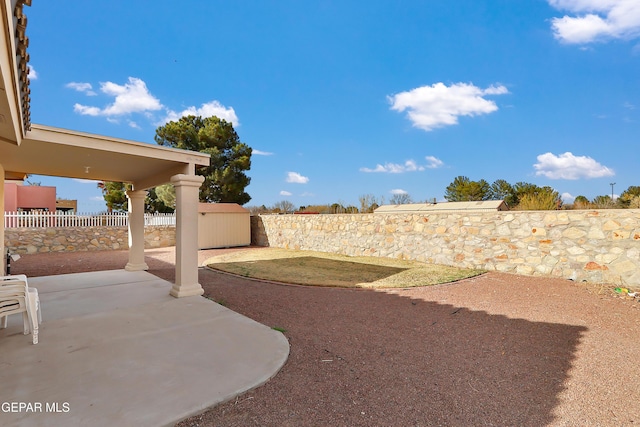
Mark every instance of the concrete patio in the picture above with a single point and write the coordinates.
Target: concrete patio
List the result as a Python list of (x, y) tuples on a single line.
[(116, 349)]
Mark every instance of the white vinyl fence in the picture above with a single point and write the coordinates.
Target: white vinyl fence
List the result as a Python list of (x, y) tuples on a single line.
[(62, 219)]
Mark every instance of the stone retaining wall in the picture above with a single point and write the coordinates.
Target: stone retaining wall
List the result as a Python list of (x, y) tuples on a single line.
[(35, 240), (595, 246)]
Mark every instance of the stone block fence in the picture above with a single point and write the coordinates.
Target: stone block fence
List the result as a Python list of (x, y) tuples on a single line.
[(601, 246), (72, 239)]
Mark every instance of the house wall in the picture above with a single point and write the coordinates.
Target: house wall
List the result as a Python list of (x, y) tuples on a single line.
[(40, 240), (36, 197), (595, 246), (10, 197), (66, 205)]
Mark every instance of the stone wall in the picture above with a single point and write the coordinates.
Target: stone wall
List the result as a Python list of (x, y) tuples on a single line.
[(35, 240), (595, 246)]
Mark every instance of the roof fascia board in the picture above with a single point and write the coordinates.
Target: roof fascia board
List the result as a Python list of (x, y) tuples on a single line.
[(9, 75), (163, 178), (98, 142)]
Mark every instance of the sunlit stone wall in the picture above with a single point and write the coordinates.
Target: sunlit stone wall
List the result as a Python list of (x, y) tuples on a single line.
[(595, 246), (38, 240)]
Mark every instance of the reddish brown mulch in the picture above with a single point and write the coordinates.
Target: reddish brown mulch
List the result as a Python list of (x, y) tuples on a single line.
[(498, 349)]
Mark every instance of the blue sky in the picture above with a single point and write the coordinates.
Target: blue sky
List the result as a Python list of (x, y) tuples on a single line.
[(344, 98)]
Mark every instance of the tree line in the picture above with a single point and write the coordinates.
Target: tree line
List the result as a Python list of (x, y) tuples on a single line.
[(518, 196), (226, 181), (528, 196)]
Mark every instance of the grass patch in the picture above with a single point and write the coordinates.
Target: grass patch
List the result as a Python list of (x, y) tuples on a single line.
[(324, 269), (279, 329)]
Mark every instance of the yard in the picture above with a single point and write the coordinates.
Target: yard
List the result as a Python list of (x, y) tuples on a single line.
[(495, 349), (324, 269)]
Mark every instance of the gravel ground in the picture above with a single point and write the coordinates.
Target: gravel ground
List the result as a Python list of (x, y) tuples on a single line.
[(495, 350)]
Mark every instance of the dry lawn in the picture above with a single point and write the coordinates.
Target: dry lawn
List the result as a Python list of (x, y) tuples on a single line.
[(326, 269)]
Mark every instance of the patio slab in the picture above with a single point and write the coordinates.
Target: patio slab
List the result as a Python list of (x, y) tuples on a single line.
[(116, 349)]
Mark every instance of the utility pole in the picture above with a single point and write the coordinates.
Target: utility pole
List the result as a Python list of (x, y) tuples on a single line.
[(612, 184)]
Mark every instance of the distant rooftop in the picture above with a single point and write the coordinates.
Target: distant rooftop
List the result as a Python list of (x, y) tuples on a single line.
[(481, 206)]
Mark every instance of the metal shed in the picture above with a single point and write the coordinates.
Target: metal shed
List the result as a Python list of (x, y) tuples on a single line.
[(479, 206), (223, 225)]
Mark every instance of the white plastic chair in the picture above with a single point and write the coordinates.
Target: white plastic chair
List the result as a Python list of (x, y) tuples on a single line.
[(17, 297)]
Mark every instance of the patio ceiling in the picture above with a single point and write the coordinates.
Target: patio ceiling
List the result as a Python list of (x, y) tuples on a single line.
[(65, 153)]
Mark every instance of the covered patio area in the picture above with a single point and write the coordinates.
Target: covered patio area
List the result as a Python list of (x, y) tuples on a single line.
[(117, 349), (28, 149)]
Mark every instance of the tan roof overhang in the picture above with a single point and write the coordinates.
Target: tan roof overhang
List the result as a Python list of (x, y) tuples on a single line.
[(60, 152)]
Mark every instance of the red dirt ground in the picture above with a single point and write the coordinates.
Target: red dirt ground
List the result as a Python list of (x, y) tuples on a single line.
[(495, 350)]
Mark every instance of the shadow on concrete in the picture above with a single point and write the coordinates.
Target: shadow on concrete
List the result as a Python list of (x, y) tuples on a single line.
[(405, 360)]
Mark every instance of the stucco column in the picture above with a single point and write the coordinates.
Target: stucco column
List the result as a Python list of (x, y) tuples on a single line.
[(136, 231), (187, 187), (3, 250)]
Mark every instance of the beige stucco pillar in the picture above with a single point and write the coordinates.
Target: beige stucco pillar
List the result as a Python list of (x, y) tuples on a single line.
[(3, 250), (136, 231), (187, 187)]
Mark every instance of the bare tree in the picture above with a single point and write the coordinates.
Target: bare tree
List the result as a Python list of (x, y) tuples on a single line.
[(284, 206), (401, 199), (368, 203), (257, 210)]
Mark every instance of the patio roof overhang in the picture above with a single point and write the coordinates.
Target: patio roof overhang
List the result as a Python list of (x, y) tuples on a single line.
[(60, 152)]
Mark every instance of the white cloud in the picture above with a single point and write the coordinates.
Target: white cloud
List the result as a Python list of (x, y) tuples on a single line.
[(261, 153), (398, 191), (568, 166), (296, 178), (285, 193), (87, 181), (31, 73), (86, 88), (86, 111), (567, 198), (213, 108), (408, 166), (596, 20), (132, 97), (436, 106), (434, 162)]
